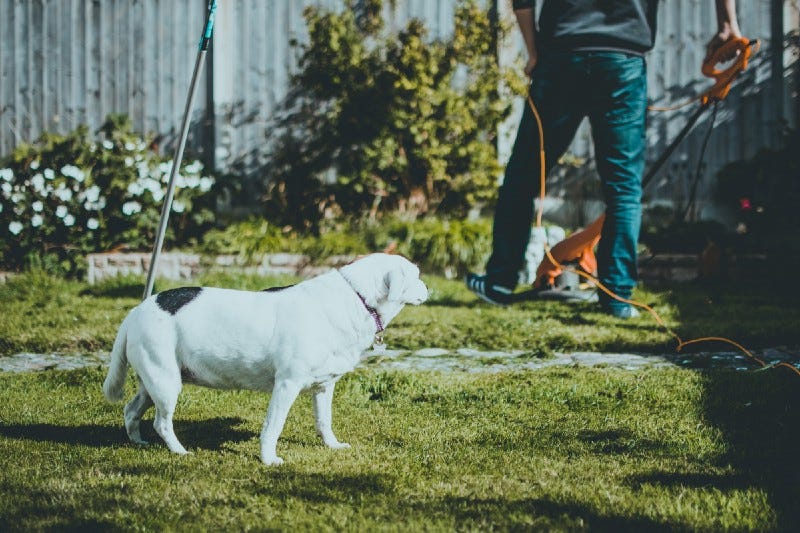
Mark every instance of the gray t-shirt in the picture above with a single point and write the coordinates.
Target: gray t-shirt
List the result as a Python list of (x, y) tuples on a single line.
[(571, 25)]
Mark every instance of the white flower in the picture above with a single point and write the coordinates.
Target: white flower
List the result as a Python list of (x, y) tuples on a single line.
[(17, 197), (135, 188), (38, 182), (155, 189), (95, 206), (195, 167), (6, 188), (165, 167), (178, 206), (193, 182), (15, 227), (129, 146), (130, 208), (93, 193), (49, 173), (71, 171), (63, 194), (206, 183), (37, 206), (69, 220), (143, 169), (36, 220), (35, 164), (7, 174), (108, 145), (92, 223), (61, 211), (128, 161)]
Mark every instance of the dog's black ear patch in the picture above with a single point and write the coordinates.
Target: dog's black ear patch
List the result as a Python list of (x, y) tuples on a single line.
[(172, 300), (276, 289)]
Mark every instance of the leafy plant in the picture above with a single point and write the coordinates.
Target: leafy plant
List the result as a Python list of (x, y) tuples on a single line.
[(382, 122), (441, 246), (763, 191), (67, 195)]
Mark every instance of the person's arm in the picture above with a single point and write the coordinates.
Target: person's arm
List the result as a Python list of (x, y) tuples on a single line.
[(727, 27), (526, 19)]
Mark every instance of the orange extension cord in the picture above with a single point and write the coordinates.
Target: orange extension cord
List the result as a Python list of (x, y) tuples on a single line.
[(717, 92)]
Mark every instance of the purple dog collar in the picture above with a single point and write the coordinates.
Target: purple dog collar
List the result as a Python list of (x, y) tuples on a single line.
[(371, 310)]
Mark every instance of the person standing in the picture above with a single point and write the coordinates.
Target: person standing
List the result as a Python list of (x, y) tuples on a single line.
[(585, 59)]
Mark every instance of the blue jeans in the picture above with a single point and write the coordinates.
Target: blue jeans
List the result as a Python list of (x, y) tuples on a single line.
[(611, 89)]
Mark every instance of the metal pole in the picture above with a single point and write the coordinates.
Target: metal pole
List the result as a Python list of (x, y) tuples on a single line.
[(178, 155)]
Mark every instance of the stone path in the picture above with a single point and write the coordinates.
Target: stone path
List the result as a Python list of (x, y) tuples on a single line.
[(469, 360)]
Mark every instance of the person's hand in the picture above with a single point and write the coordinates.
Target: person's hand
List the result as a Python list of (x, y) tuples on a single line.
[(722, 37), (531, 64)]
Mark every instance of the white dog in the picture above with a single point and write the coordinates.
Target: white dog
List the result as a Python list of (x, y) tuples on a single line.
[(285, 340)]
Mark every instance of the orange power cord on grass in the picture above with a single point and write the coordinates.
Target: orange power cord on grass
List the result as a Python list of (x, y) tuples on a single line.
[(717, 92)]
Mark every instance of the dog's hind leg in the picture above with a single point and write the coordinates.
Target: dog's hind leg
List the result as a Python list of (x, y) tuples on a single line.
[(163, 384), (134, 410), (323, 414), (284, 394)]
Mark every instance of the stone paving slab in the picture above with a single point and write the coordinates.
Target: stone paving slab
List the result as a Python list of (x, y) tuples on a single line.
[(471, 360)]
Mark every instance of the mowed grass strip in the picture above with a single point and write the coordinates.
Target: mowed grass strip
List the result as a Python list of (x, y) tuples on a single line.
[(43, 314), (556, 449)]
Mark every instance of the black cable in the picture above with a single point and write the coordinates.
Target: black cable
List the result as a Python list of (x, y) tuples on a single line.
[(693, 194)]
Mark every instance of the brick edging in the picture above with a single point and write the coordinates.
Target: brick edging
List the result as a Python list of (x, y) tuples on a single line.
[(186, 266)]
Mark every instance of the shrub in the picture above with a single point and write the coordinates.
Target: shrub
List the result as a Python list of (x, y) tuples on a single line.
[(404, 124), (68, 195), (763, 191), (443, 246)]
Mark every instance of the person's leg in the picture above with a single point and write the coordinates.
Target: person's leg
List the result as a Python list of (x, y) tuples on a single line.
[(555, 90), (618, 116)]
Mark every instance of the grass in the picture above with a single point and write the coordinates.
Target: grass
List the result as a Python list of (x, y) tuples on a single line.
[(566, 449), (554, 449), (45, 314)]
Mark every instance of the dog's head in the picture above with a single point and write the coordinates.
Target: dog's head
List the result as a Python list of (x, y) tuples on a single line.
[(387, 278)]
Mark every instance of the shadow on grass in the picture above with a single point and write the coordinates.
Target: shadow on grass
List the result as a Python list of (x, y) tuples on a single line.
[(205, 434), (327, 489), (757, 412), (538, 514)]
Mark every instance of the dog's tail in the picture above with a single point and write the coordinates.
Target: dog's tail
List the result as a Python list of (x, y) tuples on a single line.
[(114, 385)]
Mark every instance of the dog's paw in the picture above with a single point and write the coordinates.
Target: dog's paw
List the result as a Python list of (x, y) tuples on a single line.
[(272, 461), (140, 442), (338, 446)]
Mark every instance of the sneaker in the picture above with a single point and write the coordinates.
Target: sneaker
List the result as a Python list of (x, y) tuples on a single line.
[(625, 312), (494, 294)]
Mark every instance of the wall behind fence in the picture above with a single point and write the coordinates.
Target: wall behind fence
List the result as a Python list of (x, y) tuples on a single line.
[(70, 62)]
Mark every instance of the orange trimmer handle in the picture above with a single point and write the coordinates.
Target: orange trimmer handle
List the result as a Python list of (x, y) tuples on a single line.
[(740, 47)]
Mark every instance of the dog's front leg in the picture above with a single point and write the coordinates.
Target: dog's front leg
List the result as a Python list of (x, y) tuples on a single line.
[(284, 394), (323, 413)]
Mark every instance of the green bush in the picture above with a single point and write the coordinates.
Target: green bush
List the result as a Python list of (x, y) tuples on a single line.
[(68, 195), (438, 246), (763, 191), (405, 124)]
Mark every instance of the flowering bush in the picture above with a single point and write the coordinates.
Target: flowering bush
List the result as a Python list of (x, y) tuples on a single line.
[(65, 196)]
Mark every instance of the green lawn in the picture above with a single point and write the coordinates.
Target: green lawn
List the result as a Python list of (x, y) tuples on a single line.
[(567, 449), (45, 314), (554, 449)]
